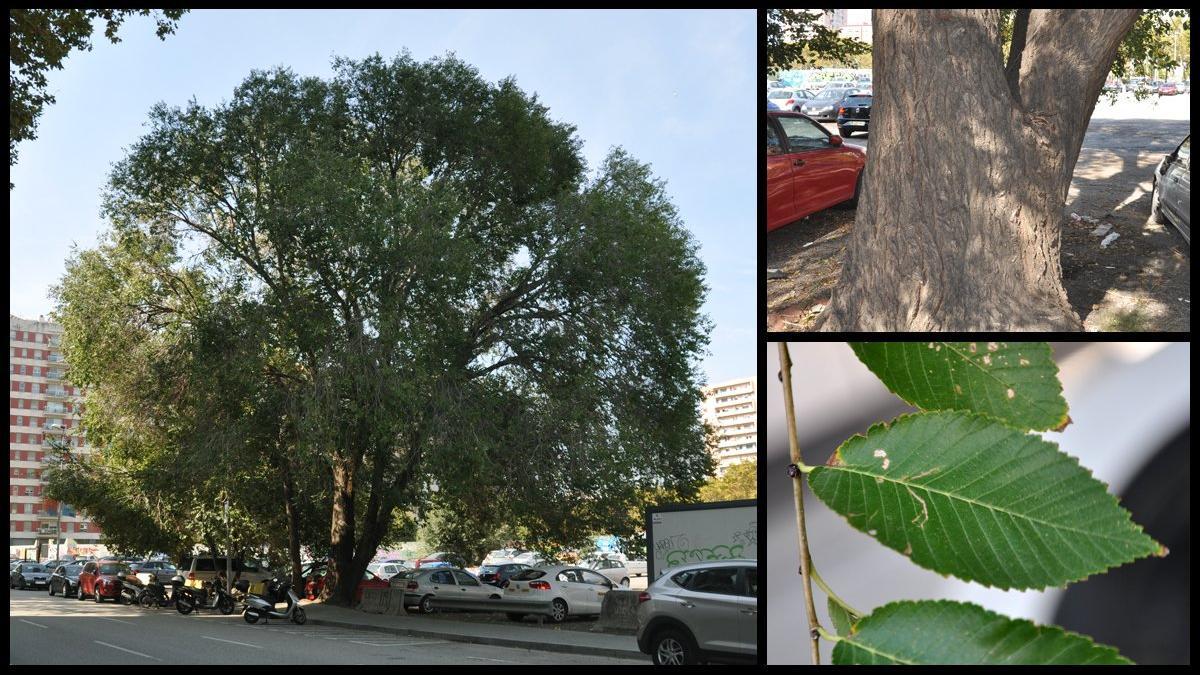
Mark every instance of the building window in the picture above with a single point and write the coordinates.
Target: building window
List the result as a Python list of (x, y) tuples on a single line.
[(83, 527)]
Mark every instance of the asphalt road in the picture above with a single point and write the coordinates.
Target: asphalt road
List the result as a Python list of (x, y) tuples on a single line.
[(46, 630)]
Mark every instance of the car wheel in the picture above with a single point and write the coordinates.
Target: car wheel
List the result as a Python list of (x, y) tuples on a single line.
[(79, 594), (22, 583), (846, 133), (625, 582), (51, 589), (97, 597), (426, 604), (673, 647), (558, 609)]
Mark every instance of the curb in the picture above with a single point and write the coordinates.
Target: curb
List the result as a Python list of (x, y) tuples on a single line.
[(485, 640)]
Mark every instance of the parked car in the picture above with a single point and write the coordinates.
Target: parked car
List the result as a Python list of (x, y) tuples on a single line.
[(422, 585), (614, 570), (440, 559), (1167, 89), (162, 569), (636, 567), (101, 579), (386, 570), (314, 581), (699, 612), (789, 99), (65, 580), (498, 575), (29, 575), (1171, 200), (571, 590), (201, 568), (535, 559), (854, 114), (501, 556), (808, 169), (824, 106)]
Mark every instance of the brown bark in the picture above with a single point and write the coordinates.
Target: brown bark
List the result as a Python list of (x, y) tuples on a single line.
[(959, 219)]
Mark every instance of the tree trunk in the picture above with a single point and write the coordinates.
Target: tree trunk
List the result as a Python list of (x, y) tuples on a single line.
[(293, 519), (959, 219), (342, 533)]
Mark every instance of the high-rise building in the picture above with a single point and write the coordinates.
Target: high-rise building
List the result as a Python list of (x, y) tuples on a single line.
[(732, 409), (41, 408), (853, 23)]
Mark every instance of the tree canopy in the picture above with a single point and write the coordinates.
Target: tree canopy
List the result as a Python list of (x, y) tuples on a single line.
[(423, 300), (39, 40), (739, 481)]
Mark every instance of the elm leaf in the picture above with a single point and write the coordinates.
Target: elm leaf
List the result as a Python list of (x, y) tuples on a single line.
[(1016, 382), (841, 617), (944, 632), (962, 494)]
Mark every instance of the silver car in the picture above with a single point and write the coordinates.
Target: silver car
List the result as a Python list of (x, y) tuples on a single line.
[(422, 585), (1171, 200), (613, 569), (700, 612), (825, 106), (29, 575)]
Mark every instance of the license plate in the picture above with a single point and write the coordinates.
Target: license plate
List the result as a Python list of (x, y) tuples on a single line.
[(854, 124), (39, 583)]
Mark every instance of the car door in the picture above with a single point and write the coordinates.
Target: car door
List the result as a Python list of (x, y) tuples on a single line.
[(1176, 194), (471, 587), (597, 586), (573, 590), (710, 605), (87, 579), (780, 166), (824, 174), (747, 627), (442, 583)]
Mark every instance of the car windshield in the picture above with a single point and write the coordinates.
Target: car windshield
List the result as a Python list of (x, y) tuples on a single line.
[(72, 569), (858, 99), (780, 94), (35, 568), (832, 92), (115, 568), (528, 575), (488, 568)]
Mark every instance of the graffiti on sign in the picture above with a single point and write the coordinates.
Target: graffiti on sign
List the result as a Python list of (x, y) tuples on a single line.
[(681, 556)]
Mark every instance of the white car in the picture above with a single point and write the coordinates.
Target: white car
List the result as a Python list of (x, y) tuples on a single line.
[(534, 559), (614, 570), (421, 586), (386, 570), (502, 556), (571, 590), (637, 568)]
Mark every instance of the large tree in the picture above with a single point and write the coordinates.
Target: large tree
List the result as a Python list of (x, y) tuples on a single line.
[(958, 225), (443, 299), (39, 40)]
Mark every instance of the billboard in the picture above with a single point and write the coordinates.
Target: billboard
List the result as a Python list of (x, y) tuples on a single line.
[(683, 533)]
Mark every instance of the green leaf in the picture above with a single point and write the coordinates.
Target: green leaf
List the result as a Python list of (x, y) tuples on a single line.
[(1012, 381), (842, 618), (962, 494), (945, 632)]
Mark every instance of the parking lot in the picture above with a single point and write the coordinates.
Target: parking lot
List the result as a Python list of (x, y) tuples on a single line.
[(1141, 282), (46, 630)]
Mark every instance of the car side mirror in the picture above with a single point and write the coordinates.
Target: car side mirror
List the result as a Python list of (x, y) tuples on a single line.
[(835, 140)]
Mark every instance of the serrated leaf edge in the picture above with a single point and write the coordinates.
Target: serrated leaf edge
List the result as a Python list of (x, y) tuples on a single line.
[(836, 462), (1058, 426), (892, 606)]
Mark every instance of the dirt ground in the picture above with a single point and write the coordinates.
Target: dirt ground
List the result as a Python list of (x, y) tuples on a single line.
[(1140, 282)]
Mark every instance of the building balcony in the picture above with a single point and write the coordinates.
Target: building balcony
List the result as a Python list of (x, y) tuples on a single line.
[(58, 393)]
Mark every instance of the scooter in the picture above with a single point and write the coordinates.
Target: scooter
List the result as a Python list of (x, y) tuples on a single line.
[(210, 596), (131, 588), (263, 606), (155, 594)]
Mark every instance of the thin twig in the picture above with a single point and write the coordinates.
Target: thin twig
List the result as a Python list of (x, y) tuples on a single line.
[(785, 374)]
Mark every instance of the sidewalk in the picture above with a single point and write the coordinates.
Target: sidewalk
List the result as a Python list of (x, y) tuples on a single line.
[(523, 637)]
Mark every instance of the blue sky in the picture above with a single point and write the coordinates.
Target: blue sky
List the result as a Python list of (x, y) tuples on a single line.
[(676, 89)]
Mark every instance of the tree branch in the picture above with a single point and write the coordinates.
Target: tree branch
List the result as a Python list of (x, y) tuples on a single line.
[(1012, 71)]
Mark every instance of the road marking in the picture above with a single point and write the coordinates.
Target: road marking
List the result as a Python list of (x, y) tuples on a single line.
[(232, 642), (481, 658), (119, 621), (397, 644), (127, 650), (33, 624)]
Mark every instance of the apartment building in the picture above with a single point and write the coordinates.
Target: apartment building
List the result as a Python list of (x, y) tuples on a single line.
[(732, 409), (41, 408)]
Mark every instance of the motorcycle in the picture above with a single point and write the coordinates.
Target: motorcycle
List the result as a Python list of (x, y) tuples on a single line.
[(263, 606), (211, 595), (131, 588), (155, 594)]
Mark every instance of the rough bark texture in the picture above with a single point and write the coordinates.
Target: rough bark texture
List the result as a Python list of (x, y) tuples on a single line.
[(959, 220)]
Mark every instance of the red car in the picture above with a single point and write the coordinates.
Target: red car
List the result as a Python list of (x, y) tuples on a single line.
[(101, 579), (316, 583), (808, 168), (1167, 89)]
